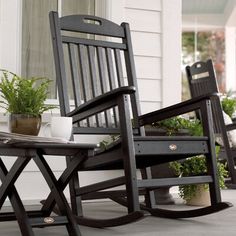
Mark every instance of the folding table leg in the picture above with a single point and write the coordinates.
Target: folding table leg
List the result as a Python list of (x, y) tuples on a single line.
[(57, 191), (64, 179), (16, 202), (74, 185)]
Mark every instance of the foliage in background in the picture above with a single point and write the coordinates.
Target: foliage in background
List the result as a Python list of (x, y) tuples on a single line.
[(228, 105), (196, 166), (24, 95), (175, 124), (104, 144), (210, 44)]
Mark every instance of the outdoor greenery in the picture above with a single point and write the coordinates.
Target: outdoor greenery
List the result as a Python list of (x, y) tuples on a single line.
[(24, 95), (191, 166), (196, 166), (106, 142), (175, 124), (228, 105), (209, 44)]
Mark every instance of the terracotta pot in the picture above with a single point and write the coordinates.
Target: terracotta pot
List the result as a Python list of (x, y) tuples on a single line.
[(202, 197), (24, 124)]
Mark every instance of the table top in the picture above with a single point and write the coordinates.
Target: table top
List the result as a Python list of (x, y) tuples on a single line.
[(59, 149)]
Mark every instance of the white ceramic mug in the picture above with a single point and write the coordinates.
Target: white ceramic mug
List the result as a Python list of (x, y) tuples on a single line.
[(61, 127)]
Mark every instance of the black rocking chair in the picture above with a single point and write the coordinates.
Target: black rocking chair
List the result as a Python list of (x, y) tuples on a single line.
[(202, 81), (95, 68)]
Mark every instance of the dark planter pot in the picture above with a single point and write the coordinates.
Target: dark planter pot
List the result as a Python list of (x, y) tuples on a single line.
[(162, 195), (24, 124)]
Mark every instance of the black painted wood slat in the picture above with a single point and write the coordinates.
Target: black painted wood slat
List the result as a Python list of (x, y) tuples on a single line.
[(99, 26), (75, 74), (84, 75), (103, 81), (91, 42), (112, 79), (119, 69), (94, 79)]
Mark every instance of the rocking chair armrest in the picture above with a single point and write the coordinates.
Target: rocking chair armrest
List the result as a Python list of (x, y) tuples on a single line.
[(111, 95), (175, 110), (230, 127)]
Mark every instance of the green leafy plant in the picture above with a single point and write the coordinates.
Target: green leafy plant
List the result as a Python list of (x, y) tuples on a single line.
[(228, 105), (24, 95), (104, 144), (196, 166), (175, 124)]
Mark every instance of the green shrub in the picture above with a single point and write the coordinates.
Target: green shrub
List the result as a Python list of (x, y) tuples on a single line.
[(175, 124), (196, 166), (228, 105)]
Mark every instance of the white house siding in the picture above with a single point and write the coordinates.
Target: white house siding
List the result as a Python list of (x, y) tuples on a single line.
[(145, 19), (156, 35), (9, 35), (155, 28)]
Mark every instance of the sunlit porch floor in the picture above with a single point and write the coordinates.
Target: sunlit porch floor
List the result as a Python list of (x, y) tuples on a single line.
[(221, 223)]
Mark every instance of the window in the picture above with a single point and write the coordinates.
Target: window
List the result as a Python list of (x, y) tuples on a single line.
[(36, 54)]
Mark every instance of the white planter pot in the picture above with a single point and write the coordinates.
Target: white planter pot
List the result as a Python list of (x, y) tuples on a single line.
[(202, 198)]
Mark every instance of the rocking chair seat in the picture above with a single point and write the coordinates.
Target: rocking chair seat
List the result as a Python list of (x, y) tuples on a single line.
[(178, 148)]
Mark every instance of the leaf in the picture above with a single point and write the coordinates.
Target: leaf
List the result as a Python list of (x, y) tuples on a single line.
[(24, 95)]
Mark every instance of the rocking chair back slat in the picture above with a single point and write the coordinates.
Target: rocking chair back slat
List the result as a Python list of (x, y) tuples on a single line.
[(74, 74), (111, 77), (103, 82), (94, 82), (119, 70)]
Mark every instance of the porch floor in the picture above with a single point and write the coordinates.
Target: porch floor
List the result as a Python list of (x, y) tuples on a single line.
[(222, 223)]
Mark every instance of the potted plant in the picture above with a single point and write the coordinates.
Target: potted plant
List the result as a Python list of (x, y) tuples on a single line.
[(24, 99), (228, 105), (192, 166), (178, 126), (172, 126), (193, 194)]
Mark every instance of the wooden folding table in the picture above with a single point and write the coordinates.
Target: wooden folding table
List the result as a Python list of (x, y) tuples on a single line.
[(38, 152)]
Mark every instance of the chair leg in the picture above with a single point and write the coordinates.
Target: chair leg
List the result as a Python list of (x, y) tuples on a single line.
[(207, 121), (128, 155), (149, 196), (76, 202)]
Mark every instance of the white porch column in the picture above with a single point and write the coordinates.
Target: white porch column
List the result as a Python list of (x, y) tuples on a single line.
[(171, 48), (230, 58)]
